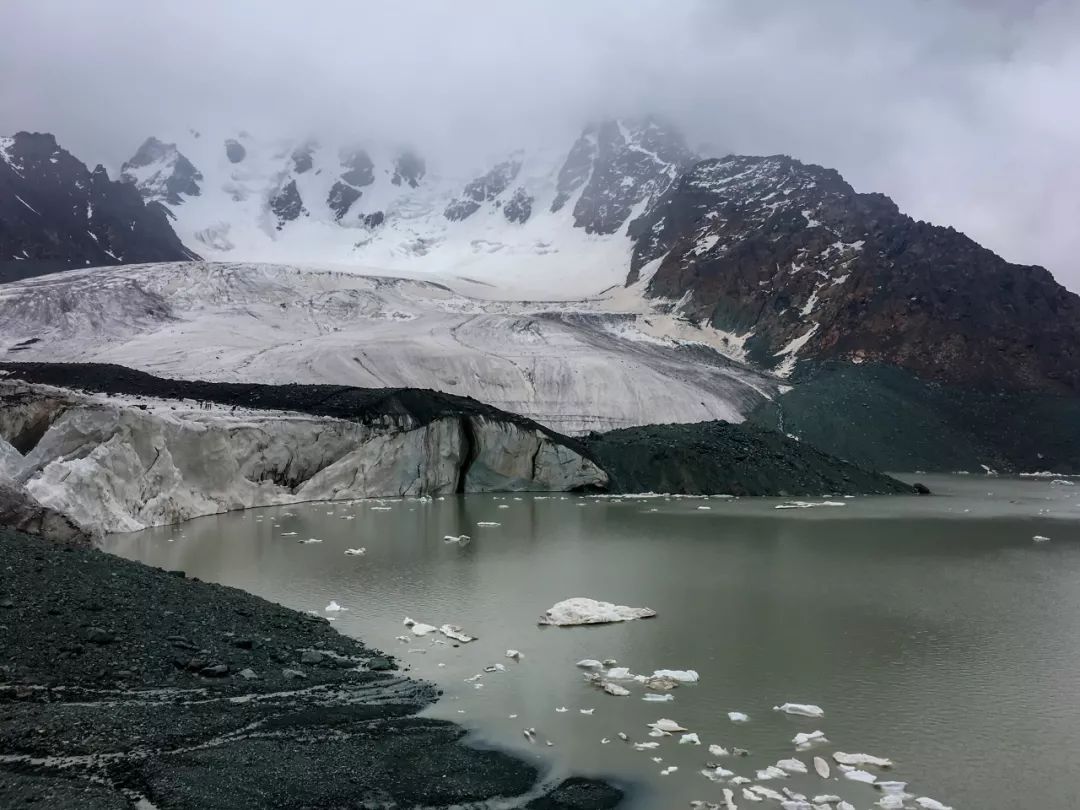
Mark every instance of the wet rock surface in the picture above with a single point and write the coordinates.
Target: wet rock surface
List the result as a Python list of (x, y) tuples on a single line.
[(714, 458), (166, 709)]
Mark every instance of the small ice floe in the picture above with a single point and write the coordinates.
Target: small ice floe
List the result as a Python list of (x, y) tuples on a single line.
[(669, 770), (792, 765), (474, 678), (796, 804), (288, 534), (334, 607), (1040, 539), (646, 746), (689, 739), (821, 766), (771, 772), (514, 654), (716, 773), (504, 506), (667, 726), (355, 552), (860, 776), (739, 780), (530, 734), (738, 717), (767, 793), (740, 752), (719, 751), (614, 689), (620, 674), (657, 759), (604, 740), (659, 733), (804, 739), (890, 801), (309, 541), (622, 736), (495, 668), (380, 509), (561, 709), (752, 797), (581, 610), (801, 709), (826, 798), (589, 663), (586, 711), (488, 523), (460, 539), (652, 697), (678, 675), (845, 806), (549, 743), (419, 628), (403, 639), (793, 795), (927, 803), (454, 632), (704, 508), (856, 760), (807, 504)]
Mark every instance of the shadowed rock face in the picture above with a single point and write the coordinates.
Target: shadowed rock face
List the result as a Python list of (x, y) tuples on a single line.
[(235, 151), (341, 198), (286, 204), (409, 168), (161, 173), (285, 712), (483, 189), (56, 214), (519, 207), (790, 253)]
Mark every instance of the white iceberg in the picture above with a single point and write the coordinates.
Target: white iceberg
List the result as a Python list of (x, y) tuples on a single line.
[(716, 774), (580, 610), (652, 697), (663, 724), (355, 552), (586, 711), (767, 793), (614, 689), (454, 632), (792, 765), (334, 607), (689, 739), (801, 709), (488, 523), (669, 770), (753, 797), (1040, 539), (891, 801), (514, 654), (856, 760), (562, 709), (822, 767), (804, 739), (309, 540), (738, 717), (771, 772), (589, 663), (860, 776), (719, 751), (419, 628), (680, 675), (460, 539), (645, 746), (931, 804)]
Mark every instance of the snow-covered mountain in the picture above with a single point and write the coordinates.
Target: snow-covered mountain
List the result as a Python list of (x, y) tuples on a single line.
[(546, 221)]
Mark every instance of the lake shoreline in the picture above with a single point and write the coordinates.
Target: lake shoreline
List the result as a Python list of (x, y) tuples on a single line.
[(121, 682)]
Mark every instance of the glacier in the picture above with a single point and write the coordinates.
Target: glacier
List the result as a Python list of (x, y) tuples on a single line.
[(117, 464), (609, 361)]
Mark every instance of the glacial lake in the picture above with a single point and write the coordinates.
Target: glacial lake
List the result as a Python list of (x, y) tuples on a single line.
[(932, 631)]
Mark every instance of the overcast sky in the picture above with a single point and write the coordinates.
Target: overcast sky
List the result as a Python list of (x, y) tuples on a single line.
[(966, 112)]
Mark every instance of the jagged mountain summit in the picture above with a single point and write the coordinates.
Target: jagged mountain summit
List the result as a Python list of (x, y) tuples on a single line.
[(55, 213), (549, 220)]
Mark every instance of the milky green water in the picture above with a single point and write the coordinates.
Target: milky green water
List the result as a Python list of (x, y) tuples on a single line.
[(932, 631)]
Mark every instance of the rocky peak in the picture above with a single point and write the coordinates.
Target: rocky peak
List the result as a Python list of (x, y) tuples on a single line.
[(234, 150), (485, 188), (789, 257), (409, 168), (618, 165), (287, 204), (161, 173)]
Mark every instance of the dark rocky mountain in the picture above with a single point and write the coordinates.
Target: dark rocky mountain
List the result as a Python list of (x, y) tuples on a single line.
[(287, 204), (57, 214), (621, 164), (234, 150), (483, 189), (790, 254), (161, 173), (519, 207), (409, 168)]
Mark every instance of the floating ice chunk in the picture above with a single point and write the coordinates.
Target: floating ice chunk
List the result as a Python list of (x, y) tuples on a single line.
[(645, 746), (455, 632), (704, 508), (826, 798), (419, 628), (530, 734), (689, 739), (562, 709), (334, 607), (620, 674), (614, 689), (860, 776), (580, 610), (1040, 539), (767, 793), (738, 717), (807, 504), (771, 772), (804, 739), (845, 806), (749, 796), (657, 759), (663, 724), (892, 787), (801, 709), (604, 741), (403, 639), (717, 773), (460, 539), (495, 668), (514, 654), (380, 509), (890, 801), (652, 697), (504, 506), (738, 780), (586, 711), (669, 770), (795, 804), (512, 716), (680, 675), (719, 751), (729, 799), (861, 759), (355, 552), (822, 767), (474, 678), (589, 663), (288, 534), (622, 736), (656, 732), (792, 765), (927, 803), (309, 541), (488, 523)]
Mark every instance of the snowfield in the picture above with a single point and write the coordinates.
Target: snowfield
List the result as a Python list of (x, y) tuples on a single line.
[(611, 361)]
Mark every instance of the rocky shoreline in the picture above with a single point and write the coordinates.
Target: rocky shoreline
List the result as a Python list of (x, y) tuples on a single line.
[(121, 683)]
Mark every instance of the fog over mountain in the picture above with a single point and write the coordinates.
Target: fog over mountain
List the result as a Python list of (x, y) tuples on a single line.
[(963, 112)]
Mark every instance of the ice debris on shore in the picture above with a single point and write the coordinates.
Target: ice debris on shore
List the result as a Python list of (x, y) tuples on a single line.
[(581, 611)]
